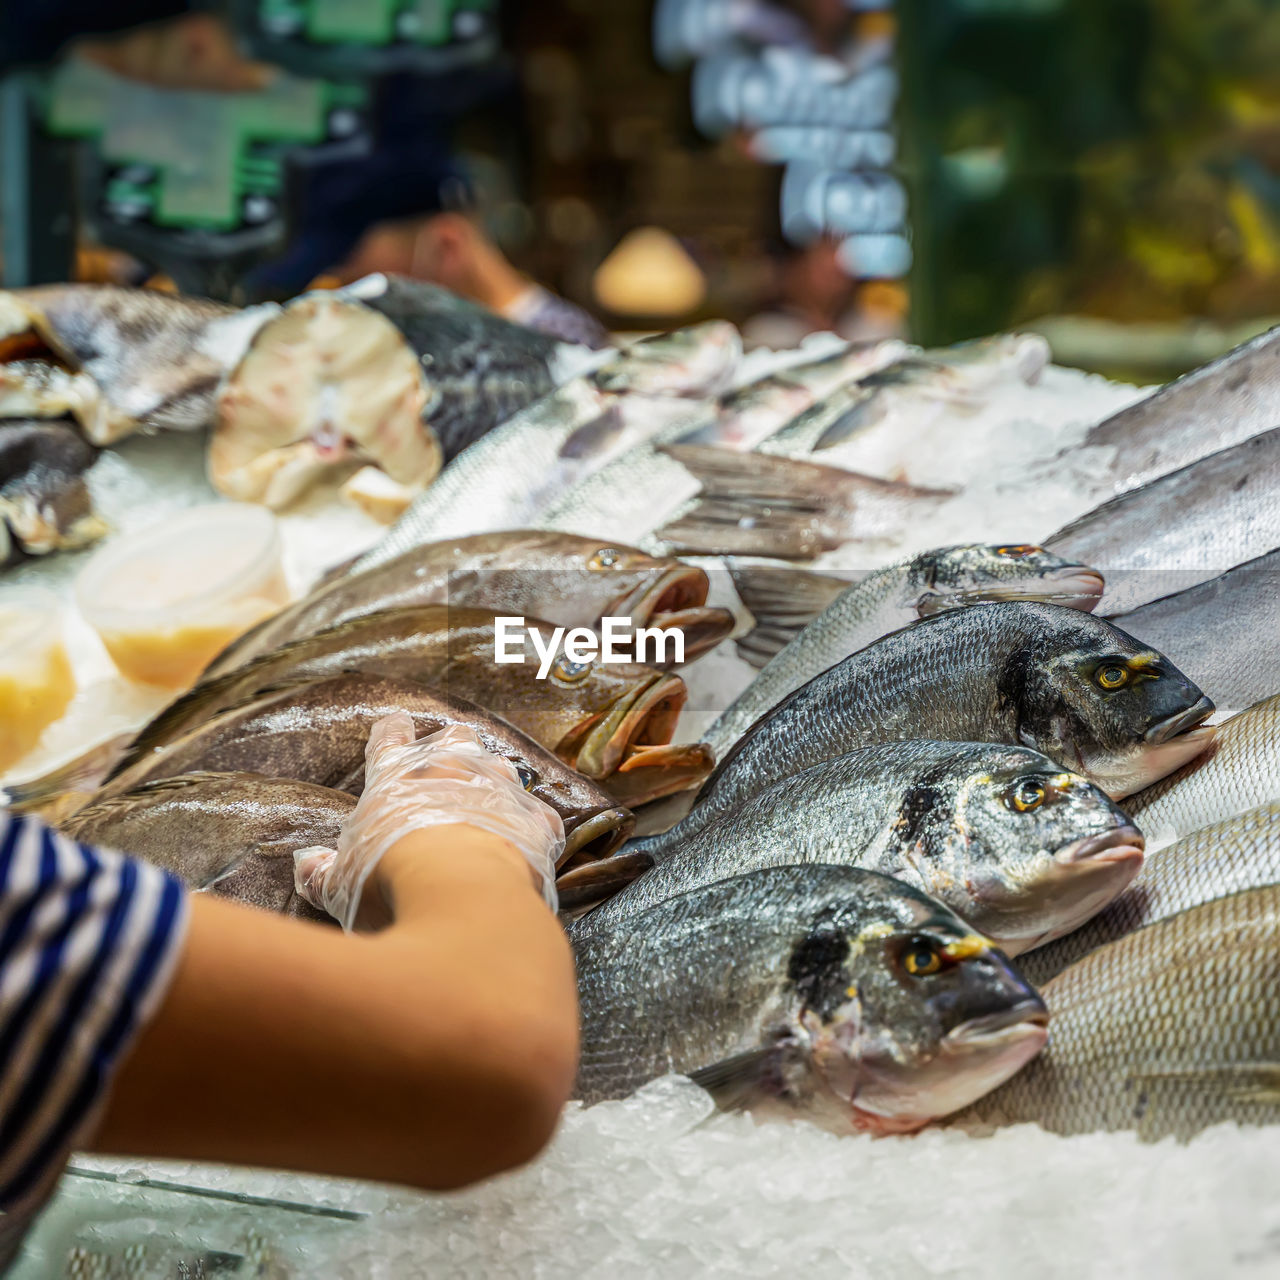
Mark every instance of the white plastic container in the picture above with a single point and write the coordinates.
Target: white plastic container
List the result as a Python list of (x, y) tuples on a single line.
[(168, 598), (36, 681)]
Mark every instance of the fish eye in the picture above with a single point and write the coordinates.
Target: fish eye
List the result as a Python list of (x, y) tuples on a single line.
[(1112, 675), (605, 558), (571, 672), (921, 958), (527, 778), (1019, 550), (1025, 795)]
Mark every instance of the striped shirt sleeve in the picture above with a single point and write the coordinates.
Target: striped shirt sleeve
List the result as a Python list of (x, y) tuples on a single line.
[(88, 941)]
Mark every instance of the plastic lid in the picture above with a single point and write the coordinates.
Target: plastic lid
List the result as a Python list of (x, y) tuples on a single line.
[(181, 568), (30, 623)]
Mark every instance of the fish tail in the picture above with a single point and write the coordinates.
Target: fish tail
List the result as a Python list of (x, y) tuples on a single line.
[(83, 774), (782, 602)]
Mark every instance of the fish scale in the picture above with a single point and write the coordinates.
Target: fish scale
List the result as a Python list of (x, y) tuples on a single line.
[(1164, 1032)]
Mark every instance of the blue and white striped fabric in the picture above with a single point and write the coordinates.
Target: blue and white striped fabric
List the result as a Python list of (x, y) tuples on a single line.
[(88, 940)]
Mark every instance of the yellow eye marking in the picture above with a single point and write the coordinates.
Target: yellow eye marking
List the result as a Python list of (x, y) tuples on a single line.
[(966, 948), (1141, 661), (872, 933)]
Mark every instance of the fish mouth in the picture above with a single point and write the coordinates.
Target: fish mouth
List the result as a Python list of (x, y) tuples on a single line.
[(677, 601), (646, 716), (1117, 845), (1028, 1019), (1074, 586), (651, 772), (597, 835), (1178, 725), (586, 884)]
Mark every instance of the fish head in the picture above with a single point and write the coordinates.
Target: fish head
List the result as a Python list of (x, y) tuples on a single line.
[(983, 573), (1103, 704), (1032, 851), (696, 360), (911, 1015)]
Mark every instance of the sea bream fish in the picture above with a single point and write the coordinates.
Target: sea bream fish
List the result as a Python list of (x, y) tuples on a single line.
[(1022, 850), (883, 601), (1209, 409), (907, 396), (1241, 852), (611, 721), (1229, 628), (44, 502), (233, 834), (1162, 1033), (154, 359), (836, 994), (387, 371), (1183, 528), (564, 580), (316, 732), (1060, 681), (509, 476), (1239, 771)]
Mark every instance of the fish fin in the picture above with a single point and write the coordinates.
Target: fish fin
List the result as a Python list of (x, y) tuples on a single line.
[(592, 883), (88, 770), (1253, 1082), (782, 602), (735, 1082), (599, 431), (765, 504)]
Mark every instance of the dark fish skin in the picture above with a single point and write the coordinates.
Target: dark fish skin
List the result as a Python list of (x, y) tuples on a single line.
[(1213, 407), (1163, 1033), (1182, 528), (1239, 853), (589, 714), (567, 580), (43, 498), (316, 732), (481, 368), (1012, 672), (1229, 628), (804, 990), (1018, 848), (233, 834), (139, 346)]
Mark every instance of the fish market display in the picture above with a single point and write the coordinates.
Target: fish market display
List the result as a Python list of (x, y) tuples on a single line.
[(949, 578), (1021, 850), (234, 834), (1182, 528), (1229, 628), (44, 504), (316, 732), (153, 359), (509, 476), (757, 504), (1210, 408), (826, 991), (1239, 771), (1068, 684), (565, 580), (1227, 857), (608, 720), (1164, 1032), (388, 371)]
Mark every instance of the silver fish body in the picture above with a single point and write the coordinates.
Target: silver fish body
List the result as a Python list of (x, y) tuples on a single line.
[(1228, 628), (1065, 683), (1208, 409), (1021, 850), (830, 992), (1163, 1033), (950, 577), (1239, 771), (1238, 853), (1182, 528)]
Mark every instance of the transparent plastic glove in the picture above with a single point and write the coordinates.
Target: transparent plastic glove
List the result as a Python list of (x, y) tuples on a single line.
[(447, 777)]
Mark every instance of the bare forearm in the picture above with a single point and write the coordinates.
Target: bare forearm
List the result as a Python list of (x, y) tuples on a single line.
[(432, 1053)]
